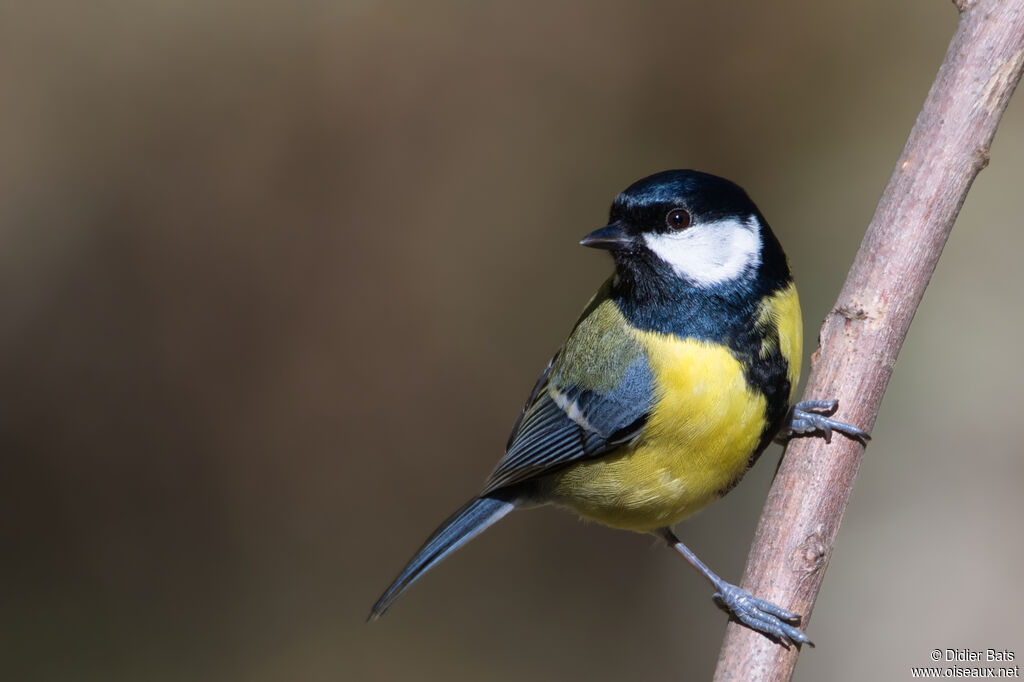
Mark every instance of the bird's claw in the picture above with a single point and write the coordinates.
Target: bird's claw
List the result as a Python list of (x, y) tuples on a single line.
[(812, 416), (762, 616)]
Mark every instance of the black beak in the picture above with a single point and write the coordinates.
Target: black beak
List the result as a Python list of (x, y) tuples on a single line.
[(611, 237)]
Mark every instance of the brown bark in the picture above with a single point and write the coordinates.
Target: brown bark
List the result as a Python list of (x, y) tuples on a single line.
[(862, 335)]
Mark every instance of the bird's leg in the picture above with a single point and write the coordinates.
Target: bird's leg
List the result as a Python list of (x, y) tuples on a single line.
[(757, 614), (812, 416)]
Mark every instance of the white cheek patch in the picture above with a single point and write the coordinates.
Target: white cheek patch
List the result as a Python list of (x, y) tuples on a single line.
[(710, 253)]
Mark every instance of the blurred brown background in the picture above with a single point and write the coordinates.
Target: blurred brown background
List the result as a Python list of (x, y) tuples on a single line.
[(277, 276)]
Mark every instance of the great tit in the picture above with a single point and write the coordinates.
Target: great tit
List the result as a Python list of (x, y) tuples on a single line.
[(678, 374)]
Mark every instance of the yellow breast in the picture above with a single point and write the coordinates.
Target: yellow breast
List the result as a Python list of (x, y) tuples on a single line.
[(705, 425), (781, 310)]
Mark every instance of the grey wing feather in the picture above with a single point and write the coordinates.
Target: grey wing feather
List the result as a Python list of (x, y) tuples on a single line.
[(564, 424), (542, 380)]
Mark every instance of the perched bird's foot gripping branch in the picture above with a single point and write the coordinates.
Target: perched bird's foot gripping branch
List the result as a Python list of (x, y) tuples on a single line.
[(812, 417), (757, 614)]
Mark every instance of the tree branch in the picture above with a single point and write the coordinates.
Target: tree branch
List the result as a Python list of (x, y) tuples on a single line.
[(862, 335)]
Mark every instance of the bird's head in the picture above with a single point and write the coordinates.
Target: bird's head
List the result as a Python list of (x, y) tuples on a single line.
[(684, 228)]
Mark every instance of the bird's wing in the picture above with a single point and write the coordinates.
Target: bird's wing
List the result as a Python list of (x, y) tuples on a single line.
[(594, 395), (542, 382)]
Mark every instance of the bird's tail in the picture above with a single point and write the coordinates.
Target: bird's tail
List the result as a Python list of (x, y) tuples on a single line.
[(473, 518)]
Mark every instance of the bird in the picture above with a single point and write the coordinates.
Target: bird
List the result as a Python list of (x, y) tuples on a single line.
[(679, 372)]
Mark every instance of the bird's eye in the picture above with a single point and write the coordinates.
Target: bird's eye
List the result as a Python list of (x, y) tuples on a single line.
[(677, 219)]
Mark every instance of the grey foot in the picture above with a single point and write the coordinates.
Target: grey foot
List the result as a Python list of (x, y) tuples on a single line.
[(812, 416), (760, 615)]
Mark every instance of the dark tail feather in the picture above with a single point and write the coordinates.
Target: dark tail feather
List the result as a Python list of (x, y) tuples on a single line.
[(461, 527)]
